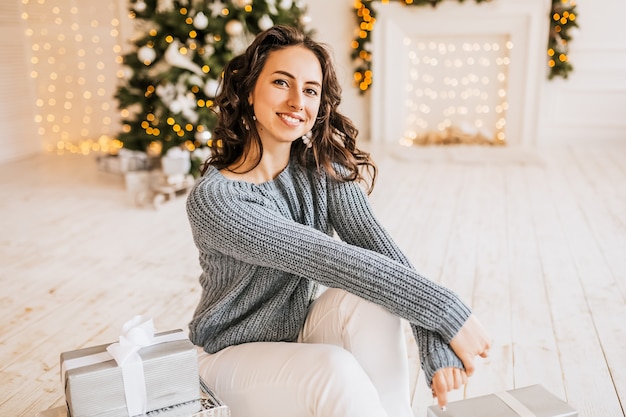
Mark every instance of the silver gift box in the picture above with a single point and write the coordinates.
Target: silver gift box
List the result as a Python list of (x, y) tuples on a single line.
[(212, 406), (533, 400), (171, 378)]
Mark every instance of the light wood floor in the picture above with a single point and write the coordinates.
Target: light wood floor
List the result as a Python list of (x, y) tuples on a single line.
[(533, 239)]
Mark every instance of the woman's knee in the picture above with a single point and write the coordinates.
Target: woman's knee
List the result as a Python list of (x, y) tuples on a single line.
[(338, 385), (335, 364)]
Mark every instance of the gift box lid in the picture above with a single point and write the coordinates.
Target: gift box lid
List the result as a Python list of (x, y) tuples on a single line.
[(531, 401), (148, 353)]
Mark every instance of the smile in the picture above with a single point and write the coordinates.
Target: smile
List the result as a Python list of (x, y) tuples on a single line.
[(290, 119)]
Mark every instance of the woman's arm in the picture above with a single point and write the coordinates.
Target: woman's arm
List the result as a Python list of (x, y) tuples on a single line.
[(240, 224), (355, 223)]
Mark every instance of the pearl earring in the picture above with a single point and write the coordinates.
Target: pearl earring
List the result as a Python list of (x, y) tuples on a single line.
[(245, 122), (306, 139)]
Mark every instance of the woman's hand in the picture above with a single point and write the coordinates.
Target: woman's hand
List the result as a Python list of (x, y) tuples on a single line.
[(447, 379), (471, 341)]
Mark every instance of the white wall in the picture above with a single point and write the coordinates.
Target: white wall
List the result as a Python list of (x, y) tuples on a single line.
[(590, 106), (18, 135), (587, 107)]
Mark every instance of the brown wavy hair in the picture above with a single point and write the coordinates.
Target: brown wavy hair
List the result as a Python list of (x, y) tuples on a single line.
[(334, 135)]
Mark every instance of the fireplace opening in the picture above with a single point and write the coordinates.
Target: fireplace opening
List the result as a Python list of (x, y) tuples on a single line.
[(460, 73), (456, 90)]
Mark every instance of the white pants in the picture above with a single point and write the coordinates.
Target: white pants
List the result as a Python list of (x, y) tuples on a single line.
[(350, 361)]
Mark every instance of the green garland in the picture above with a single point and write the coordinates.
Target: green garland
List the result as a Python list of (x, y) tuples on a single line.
[(563, 19)]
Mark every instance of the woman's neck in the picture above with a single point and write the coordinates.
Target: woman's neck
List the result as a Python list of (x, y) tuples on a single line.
[(272, 163)]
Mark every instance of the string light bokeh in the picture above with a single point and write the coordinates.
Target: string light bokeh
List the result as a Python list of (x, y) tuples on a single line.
[(456, 89), (74, 59)]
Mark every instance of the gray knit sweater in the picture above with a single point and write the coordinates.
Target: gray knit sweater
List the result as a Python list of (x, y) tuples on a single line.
[(264, 248)]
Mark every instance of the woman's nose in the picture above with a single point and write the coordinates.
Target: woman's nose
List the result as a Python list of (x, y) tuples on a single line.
[(295, 101)]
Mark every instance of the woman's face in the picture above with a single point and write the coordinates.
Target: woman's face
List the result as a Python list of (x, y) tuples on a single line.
[(286, 96)]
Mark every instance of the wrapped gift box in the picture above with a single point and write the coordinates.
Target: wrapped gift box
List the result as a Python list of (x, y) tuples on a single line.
[(211, 407), (531, 401), (94, 382), (125, 161)]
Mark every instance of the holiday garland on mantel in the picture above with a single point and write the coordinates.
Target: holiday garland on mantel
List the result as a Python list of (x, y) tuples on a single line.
[(563, 18)]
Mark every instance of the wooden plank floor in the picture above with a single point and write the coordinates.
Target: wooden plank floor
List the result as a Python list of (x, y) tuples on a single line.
[(533, 239)]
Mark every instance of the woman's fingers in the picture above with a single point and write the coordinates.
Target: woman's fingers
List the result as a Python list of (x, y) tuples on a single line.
[(440, 387), (471, 341), (459, 378), (447, 379), (468, 363)]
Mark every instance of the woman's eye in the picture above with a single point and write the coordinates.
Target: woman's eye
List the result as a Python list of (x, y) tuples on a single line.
[(311, 91), (281, 82)]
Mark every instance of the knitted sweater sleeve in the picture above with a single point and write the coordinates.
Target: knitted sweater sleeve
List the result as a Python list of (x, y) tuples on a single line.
[(356, 224), (225, 217)]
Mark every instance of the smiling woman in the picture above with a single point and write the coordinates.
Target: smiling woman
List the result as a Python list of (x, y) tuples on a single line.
[(286, 100), (275, 217)]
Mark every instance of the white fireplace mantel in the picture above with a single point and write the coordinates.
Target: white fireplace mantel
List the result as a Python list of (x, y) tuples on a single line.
[(526, 24)]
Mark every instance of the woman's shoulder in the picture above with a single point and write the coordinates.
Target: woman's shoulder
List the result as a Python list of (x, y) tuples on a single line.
[(213, 190), (213, 179)]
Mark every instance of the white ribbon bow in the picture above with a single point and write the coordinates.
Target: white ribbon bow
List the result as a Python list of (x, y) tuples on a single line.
[(137, 333)]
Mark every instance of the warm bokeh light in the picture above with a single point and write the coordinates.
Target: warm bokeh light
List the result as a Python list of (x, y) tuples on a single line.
[(456, 89), (74, 58)]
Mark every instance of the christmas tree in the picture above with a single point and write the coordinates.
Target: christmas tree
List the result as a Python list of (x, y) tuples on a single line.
[(172, 74)]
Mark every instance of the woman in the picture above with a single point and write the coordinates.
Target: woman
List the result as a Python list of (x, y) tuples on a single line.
[(282, 180)]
